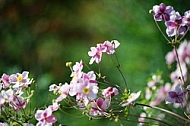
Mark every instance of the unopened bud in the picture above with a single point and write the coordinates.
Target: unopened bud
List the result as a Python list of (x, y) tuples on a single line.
[(32, 91), (68, 64), (150, 11)]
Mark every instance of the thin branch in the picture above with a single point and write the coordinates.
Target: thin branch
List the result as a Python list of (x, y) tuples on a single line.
[(162, 32), (180, 68), (163, 110), (118, 67)]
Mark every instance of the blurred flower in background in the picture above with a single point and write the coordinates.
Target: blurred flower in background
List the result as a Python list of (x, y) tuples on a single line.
[(40, 36)]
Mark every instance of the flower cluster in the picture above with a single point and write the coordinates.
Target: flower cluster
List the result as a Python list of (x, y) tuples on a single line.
[(175, 23), (107, 46), (13, 95), (45, 117), (95, 96), (84, 87), (176, 91)]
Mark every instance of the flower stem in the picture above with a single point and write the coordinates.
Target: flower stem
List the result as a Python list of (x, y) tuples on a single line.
[(150, 118), (163, 110), (177, 56), (118, 67), (161, 32)]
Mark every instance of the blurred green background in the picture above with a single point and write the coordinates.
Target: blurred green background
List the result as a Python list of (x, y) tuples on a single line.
[(40, 36)]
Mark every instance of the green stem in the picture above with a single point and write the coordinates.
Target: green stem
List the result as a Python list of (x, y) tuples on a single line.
[(163, 110), (150, 118), (162, 32), (118, 67)]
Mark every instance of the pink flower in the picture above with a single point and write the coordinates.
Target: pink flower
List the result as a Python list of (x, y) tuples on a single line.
[(187, 52), (20, 80), (85, 86), (99, 107), (131, 99), (170, 57), (54, 87), (77, 70), (177, 73), (96, 53), (161, 94), (54, 106), (110, 46), (107, 46), (183, 53), (63, 91), (188, 87), (6, 96), (18, 103), (154, 81), (109, 92), (175, 25), (3, 124), (162, 12), (176, 96), (5, 79), (186, 18), (45, 117)]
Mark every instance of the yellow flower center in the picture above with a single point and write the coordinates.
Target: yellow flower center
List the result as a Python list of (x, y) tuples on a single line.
[(19, 78), (73, 77), (86, 91), (60, 92)]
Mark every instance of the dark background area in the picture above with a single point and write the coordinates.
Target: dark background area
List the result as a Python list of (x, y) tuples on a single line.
[(40, 36)]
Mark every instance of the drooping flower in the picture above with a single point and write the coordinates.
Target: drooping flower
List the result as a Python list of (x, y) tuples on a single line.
[(99, 107), (131, 99), (109, 92), (162, 12), (176, 96), (18, 103), (45, 117)]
